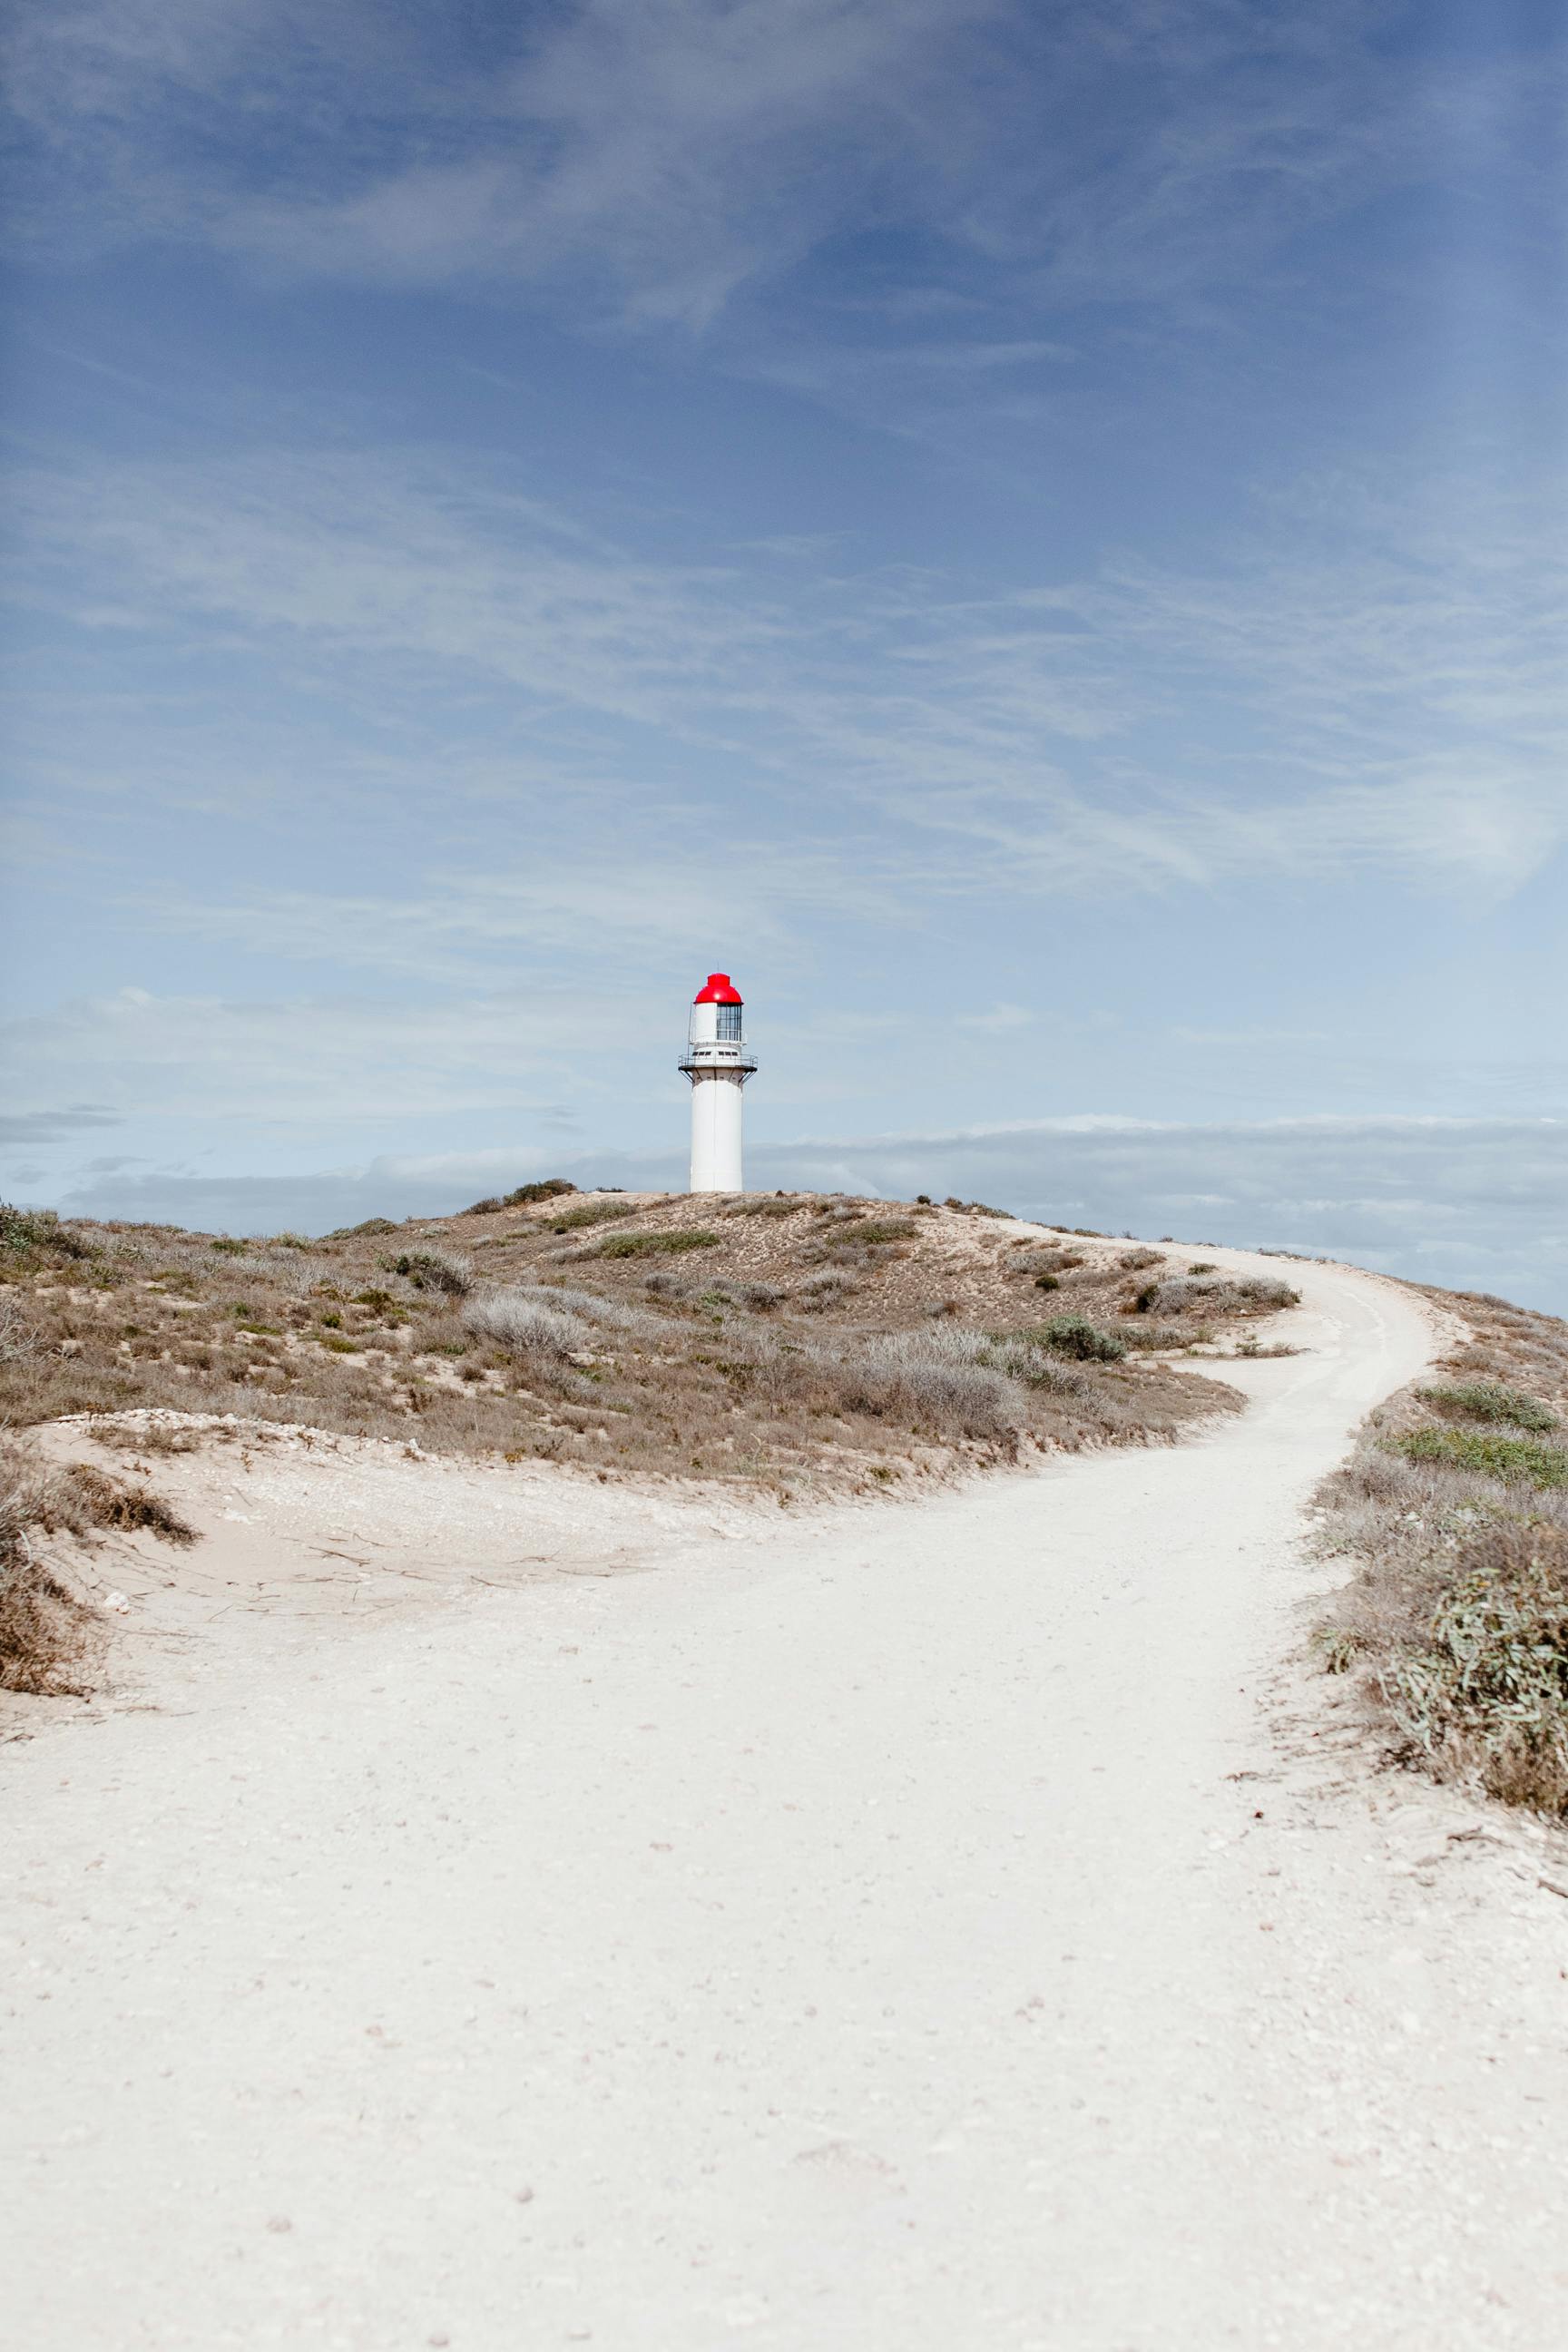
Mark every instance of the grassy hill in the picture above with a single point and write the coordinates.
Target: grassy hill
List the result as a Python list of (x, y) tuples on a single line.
[(794, 1339)]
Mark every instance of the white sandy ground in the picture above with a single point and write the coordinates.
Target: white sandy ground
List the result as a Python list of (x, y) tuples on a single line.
[(953, 1925)]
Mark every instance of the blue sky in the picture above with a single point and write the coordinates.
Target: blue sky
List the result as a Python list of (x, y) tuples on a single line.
[(1034, 536)]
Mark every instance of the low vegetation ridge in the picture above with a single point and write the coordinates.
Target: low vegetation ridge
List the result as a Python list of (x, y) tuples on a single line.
[(1455, 1506)]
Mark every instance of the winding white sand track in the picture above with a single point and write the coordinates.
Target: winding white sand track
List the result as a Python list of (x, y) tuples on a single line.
[(928, 1928)]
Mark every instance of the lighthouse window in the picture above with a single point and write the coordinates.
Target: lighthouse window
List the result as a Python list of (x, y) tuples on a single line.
[(729, 1023)]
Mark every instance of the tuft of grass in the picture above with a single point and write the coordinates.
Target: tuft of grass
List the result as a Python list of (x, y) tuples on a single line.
[(20, 1334), (672, 1243), (1491, 1401), (758, 1298), (1490, 1456), (150, 1437), (826, 1289), (110, 1502)]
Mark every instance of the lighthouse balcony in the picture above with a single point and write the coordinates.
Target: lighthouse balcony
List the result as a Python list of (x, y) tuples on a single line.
[(717, 1060)]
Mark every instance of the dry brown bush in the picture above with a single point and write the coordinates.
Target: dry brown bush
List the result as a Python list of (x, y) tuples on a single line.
[(936, 1380), (1048, 1261), (47, 1628), (19, 1333), (520, 1322), (1208, 1294), (438, 1269), (829, 1289)]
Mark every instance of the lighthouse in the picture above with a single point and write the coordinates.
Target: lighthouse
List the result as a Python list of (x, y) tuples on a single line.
[(718, 1066)]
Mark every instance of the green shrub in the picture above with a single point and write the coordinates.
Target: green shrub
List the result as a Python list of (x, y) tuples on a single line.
[(550, 1188), (1076, 1335), (22, 1230), (371, 1225), (1487, 1692), (671, 1244), (1522, 1459), (1047, 1282), (1491, 1401)]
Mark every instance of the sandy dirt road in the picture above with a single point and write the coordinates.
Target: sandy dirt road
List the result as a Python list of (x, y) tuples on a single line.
[(945, 1925)]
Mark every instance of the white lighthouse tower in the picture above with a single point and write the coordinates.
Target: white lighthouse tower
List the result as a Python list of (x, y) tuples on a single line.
[(718, 1066)]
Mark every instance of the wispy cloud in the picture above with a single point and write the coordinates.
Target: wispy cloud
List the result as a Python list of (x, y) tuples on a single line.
[(299, 1062), (1346, 692), (652, 156), (31, 1128)]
